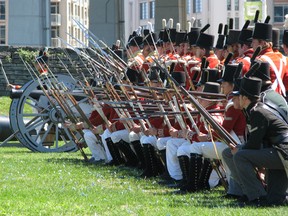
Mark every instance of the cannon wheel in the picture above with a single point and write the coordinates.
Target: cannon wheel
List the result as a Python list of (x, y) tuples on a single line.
[(38, 124)]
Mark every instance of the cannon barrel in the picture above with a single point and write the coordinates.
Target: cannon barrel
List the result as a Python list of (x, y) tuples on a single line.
[(5, 129)]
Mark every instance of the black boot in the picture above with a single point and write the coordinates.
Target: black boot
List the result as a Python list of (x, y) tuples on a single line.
[(195, 165), (117, 158), (131, 158), (151, 169), (184, 165), (205, 175), (139, 152), (165, 175)]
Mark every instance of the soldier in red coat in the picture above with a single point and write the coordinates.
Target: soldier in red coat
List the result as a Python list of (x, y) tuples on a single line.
[(262, 36)]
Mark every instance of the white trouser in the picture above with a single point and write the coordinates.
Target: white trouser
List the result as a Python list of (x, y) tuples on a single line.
[(206, 149), (161, 143), (94, 145), (172, 161), (149, 140), (106, 134), (120, 135), (134, 136)]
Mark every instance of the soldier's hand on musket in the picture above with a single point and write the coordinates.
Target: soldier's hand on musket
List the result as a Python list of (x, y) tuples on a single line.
[(203, 137), (79, 126), (112, 127), (153, 131), (173, 132), (97, 130), (136, 128), (150, 131)]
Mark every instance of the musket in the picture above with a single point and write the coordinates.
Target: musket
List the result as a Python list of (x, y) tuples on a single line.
[(227, 138), (51, 101)]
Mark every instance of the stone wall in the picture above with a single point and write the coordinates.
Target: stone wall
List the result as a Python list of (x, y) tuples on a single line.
[(18, 74)]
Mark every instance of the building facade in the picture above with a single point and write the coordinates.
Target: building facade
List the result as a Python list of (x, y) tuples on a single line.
[(27, 23), (41, 23), (63, 24)]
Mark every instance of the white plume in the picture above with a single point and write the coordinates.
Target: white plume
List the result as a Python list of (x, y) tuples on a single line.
[(164, 23), (188, 26), (118, 42), (139, 30), (150, 27), (170, 23), (192, 21), (286, 22), (178, 27)]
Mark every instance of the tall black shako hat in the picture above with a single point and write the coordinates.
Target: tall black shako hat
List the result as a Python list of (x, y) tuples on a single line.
[(262, 72), (221, 37), (135, 40), (205, 41), (233, 37), (208, 75), (211, 87), (285, 37), (276, 38), (228, 73), (180, 77), (263, 31), (149, 37), (193, 36), (236, 88), (133, 75), (181, 37), (245, 34), (251, 87)]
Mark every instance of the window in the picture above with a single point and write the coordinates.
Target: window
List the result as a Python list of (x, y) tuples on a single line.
[(54, 8), (2, 10), (236, 5), (197, 6), (280, 12), (54, 31), (143, 10), (229, 5), (2, 34), (236, 22), (188, 6), (152, 10)]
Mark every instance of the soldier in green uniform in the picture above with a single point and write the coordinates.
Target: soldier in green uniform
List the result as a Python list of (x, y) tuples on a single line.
[(268, 137)]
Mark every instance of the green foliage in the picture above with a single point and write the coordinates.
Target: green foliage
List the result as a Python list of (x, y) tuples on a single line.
[(5, 106), (27, 55), (62, 184), (8, 59)]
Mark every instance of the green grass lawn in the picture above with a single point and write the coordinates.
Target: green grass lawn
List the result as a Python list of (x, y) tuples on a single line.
[(4, 106), (62, 184)]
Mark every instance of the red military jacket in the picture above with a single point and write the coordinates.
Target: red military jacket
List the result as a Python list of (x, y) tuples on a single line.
[(213, 61), (234, 119), (274, 60), (245, 59), (96, 119), (218, 117)]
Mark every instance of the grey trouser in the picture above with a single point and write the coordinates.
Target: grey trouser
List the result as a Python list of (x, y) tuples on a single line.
[(243, 171)]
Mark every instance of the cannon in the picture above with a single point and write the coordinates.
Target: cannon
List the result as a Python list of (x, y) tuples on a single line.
[(37, 124)]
